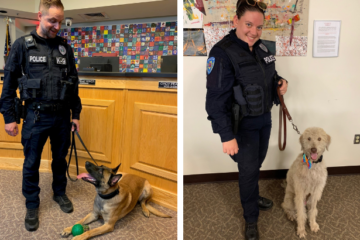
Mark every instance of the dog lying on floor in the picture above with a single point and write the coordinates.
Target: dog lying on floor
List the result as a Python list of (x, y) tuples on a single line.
[(306, 180), (115, 198)]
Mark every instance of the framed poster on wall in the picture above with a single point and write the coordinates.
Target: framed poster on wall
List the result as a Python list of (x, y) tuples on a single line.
[(326, 38)]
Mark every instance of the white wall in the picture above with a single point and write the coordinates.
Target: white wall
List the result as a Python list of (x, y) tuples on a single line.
[(20, 5), (323, 92), (33, 5), (71, 4)]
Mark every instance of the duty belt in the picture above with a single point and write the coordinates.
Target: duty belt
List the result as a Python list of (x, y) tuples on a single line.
[(46, 107)]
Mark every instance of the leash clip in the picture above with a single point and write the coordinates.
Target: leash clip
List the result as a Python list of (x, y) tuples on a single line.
[(295, 127)]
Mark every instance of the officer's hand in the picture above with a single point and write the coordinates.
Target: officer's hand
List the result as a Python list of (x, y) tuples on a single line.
[(230, 147), (77, 123), (283, 88), (12, 129)]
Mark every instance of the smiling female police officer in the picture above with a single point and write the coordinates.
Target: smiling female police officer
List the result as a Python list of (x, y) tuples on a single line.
[(42, 65), (241, 84)]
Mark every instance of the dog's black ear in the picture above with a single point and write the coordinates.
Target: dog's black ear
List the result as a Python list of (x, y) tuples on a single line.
[(114, 179), (116, 169)]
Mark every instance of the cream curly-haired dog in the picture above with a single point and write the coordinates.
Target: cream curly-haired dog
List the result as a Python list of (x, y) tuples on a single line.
[(305, 185)]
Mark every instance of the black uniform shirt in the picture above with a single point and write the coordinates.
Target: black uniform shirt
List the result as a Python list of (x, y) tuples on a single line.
[(220, 81), (13, 71)]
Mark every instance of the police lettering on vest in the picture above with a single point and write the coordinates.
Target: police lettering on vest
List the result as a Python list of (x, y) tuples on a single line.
[(37, 59), (269, 59)]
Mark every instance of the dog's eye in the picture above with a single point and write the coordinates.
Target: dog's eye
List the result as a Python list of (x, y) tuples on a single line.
[(309, 139), (319, 139)]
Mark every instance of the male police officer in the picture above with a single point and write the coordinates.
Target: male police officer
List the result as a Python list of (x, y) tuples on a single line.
[(42, 65)]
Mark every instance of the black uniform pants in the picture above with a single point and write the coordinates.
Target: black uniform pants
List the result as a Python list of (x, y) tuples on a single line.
[(57, 126), (253, 140)]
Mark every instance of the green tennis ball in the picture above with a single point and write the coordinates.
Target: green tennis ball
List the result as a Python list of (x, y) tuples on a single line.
[(77, 229)]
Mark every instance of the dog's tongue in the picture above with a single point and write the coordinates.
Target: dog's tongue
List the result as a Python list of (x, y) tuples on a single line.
[(83, 175), (313, 156)]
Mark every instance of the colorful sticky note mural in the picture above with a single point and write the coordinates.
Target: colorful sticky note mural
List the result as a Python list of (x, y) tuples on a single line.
[(139, 46)]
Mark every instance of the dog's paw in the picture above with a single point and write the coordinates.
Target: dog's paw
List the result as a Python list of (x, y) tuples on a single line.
[(301, 232), (291, 216), (79, 237), (66, 232), (146, 213), (314, 227)]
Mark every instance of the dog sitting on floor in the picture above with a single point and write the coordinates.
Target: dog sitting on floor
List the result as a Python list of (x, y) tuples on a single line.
[(306, 180), (117, 195)]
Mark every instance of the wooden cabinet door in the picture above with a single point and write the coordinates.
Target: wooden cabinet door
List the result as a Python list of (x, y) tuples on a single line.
[(150, 144)]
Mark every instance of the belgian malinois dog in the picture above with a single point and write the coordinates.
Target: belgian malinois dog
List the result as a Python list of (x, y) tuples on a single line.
[(114, 198)]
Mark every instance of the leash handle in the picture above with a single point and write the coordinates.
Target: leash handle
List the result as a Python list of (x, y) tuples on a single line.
[(68, 166)]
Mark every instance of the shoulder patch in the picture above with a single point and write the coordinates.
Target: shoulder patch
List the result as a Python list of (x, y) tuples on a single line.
[(62, 49), (210, 65), (263, 47)]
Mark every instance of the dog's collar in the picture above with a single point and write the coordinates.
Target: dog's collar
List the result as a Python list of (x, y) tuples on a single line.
[(320, 159), (309, 162), (110, 195)]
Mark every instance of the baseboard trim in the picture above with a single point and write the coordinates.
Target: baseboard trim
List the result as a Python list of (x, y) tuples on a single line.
[(266, 174)]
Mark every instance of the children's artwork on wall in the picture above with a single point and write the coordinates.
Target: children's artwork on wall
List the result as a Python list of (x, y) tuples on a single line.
[(139, 46), (283, 20), (298, 46), (194, 42), (193, 13), (213, 35)]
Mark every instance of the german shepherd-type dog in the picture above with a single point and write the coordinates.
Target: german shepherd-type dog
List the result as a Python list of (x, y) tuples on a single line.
[(114, 198)]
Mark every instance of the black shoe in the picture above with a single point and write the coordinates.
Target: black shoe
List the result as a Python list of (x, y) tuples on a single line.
[(264, 203), (64, 202), (251, 231), (32, 219)]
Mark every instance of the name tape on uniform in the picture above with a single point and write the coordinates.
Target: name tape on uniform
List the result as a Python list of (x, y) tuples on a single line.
[(168, 85), (37, 59), (87, 81), (60, 60), (269, 59)]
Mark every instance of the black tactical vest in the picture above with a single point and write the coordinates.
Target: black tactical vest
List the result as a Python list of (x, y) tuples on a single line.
[(45, 68), (254, 75)]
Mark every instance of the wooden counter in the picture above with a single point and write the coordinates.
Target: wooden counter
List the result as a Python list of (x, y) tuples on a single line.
[(126, 120)]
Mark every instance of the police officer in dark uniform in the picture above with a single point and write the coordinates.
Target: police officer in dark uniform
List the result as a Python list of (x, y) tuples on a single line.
[(42, 65), (241, 89)]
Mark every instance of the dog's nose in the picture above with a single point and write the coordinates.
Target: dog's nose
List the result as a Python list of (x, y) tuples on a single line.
[(87, 164), (313, 150)]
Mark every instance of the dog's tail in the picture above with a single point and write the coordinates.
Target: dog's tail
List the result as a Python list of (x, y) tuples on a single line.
[(156, 212), (283, 184)]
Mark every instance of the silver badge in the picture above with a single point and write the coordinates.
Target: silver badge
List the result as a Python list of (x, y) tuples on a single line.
[(62, 49), (263, 47)]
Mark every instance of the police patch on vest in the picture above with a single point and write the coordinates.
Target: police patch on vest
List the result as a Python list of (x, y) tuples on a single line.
[(60, 60), (263, 47), (37, 59), (269, 59), (210, 64), (62, 49)]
